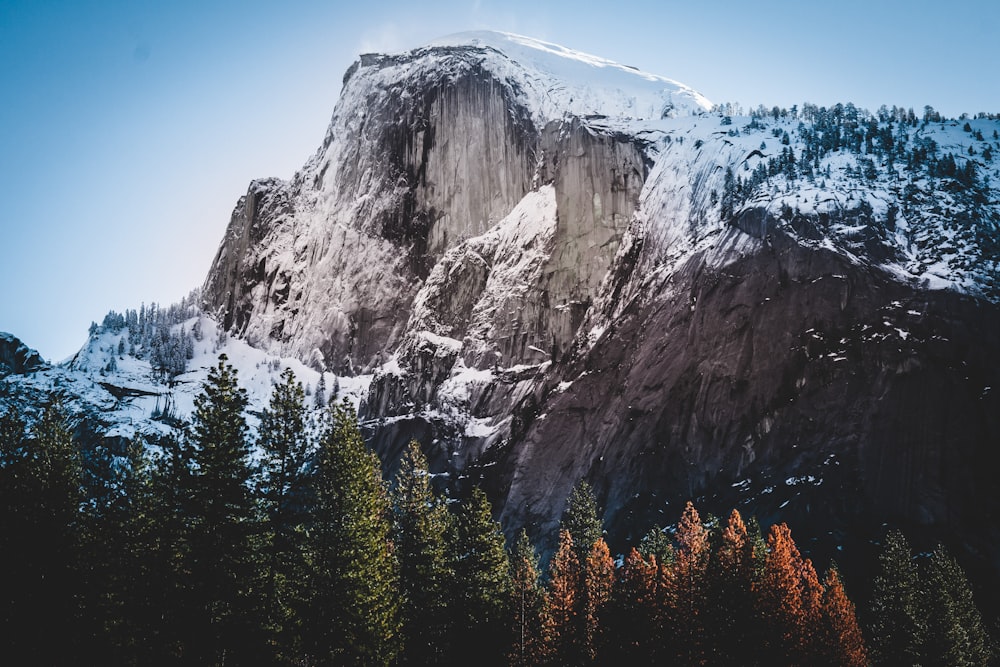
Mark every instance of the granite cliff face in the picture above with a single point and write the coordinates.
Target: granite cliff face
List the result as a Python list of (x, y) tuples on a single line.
[(336, 254), (548, 267), (424, 151)]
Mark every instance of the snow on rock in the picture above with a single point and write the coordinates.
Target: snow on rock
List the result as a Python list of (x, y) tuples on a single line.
[(556, 81), (127, 397), (16, 357), (425, 150), (476, 288)]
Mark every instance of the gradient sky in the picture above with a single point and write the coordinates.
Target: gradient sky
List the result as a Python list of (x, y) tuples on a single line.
[(128, 130)]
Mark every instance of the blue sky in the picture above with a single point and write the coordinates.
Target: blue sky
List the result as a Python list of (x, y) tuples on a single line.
[(129, 129)]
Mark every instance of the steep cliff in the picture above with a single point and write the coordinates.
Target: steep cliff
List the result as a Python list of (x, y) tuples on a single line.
[(425, 150), (554, 267)]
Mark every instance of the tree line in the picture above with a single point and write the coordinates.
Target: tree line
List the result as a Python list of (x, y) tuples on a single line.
[(289, 548)]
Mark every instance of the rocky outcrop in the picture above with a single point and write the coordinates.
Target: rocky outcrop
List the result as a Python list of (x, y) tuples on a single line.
[(16, 357), (517, 294)]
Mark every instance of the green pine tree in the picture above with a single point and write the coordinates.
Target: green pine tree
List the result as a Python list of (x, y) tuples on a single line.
[(138, 580), (897, 622), (174, 592), (955, 631), (117, 617), (581, 520), (657, 543), (284, 448), (423, 524), (40, 492), (222, 555), (482, 583), (353, 612)]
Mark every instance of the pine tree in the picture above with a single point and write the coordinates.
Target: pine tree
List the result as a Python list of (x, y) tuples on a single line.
[(789, 596), (561, 624), (138, 579), (581, 520), (728, 204), (102, 548), (731, 579), (528, 602), (657, 543), (657, 549), (222, 522), (687, 588), (599, 576), (809, 622), (637, 613), (422, 525), (170, 591), (482, 584), (955, 631), (40, 490), (898, 625), (840, 639), (284, 447), (319, 398), (353, 613)]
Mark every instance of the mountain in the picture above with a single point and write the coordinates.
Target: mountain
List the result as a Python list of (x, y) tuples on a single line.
[(549, 267)]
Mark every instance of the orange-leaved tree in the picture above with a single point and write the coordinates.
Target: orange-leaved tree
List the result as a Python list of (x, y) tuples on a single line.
[(732, 573), (598, 579), (528, 601), (788, 597), (687, 589), (560, 623), (841, 642)]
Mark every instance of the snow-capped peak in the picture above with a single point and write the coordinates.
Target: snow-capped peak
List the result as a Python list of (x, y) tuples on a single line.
[(564, 81)]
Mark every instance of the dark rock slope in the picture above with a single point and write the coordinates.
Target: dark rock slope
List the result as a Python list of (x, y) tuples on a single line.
[(792, 383), (16, 357)]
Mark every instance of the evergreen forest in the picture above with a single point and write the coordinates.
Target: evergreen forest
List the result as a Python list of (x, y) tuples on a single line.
[(287, 547)]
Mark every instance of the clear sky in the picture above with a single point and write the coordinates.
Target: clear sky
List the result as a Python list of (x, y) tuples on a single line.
[(128, 129)]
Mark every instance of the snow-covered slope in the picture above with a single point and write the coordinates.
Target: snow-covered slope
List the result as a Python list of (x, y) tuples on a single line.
[(556, 82), (111, 394)]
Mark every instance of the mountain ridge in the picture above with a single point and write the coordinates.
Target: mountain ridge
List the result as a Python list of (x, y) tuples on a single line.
[(665, 300)]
